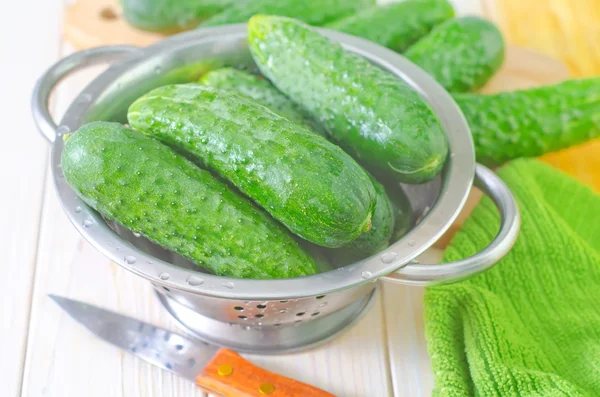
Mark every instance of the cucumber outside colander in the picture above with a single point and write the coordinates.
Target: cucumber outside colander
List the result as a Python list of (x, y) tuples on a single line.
[(268, 316)]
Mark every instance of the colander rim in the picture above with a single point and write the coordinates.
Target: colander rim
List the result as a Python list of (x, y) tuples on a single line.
[(457, 181)]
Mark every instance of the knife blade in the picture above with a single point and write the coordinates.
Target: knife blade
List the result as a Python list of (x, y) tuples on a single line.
[(215, 370)]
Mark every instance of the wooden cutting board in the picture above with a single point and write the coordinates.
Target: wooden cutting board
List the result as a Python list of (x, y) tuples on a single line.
[(91, 23), (568, 30)]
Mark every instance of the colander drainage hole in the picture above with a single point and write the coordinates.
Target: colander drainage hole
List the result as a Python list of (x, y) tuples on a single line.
[(239, 308), (261, 306), (283, 301), (259, 316), (166, 289), (320, 296), (243, 317), (300, 314), (277, 324), (315, 314)]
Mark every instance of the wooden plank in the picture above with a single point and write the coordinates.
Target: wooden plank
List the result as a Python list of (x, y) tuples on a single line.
[(410, 367), (63, 359), (352, 365), (25, 55)]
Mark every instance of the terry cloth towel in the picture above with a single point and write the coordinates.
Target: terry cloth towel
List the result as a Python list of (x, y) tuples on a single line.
[(530, 326)]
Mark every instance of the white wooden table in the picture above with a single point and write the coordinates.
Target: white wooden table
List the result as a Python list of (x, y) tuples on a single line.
[(44, 353)]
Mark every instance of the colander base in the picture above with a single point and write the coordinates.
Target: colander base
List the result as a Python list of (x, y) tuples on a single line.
[(266, 339)]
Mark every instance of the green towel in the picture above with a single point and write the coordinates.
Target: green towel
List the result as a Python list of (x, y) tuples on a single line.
[(530, 326)]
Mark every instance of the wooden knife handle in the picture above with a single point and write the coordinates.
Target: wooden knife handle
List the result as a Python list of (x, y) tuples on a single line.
[(229, 375)]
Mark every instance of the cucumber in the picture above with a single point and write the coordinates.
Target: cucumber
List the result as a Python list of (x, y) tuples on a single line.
[(402, 208), (375, 240), (260, 89), (252, 86), (462, 54), (532, 122), (396, 25), (305, 182), (171, 15), (368, 111), (148, 188), (256, 88), (264, 92), (316, 13)]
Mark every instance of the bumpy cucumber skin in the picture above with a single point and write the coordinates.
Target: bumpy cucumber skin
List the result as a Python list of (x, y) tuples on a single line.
[(375, 240), (253, 87), (369, 112), (265, 93), (532, 122), (316, 13), (262, 91), (304, 181), (148, 188), (462, 54), (396, 25), (171, 15)]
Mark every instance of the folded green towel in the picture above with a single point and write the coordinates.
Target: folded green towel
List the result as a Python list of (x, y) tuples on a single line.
[(530, 326)]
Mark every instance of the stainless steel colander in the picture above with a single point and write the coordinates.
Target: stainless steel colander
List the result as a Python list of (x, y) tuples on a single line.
[(268, 315)]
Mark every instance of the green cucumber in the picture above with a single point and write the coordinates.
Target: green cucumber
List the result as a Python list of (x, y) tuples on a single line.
[(263, 91), (375, 240), (252, 86), (304, 181), (532, 122), (148, 188), (403, 213), (257, 88), (368, 111), (171, 15), (462, 54), (316, 13), (396, 25), (260, 89)]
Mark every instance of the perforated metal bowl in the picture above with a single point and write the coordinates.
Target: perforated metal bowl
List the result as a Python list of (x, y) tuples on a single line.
[(268, 315)]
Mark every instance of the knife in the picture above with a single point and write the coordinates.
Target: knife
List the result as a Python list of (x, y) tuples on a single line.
[(215, 370)]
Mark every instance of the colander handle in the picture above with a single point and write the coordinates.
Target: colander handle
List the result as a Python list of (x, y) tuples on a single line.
[(76, 61), (490, 184)]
